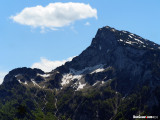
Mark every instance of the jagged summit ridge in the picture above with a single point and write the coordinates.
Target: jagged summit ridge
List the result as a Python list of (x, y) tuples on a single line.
[(123, 37)]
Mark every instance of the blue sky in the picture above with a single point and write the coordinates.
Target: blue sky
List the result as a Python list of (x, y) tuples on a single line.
[(28, 45)]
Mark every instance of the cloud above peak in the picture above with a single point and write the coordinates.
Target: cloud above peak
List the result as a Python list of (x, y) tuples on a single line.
[(54, 15)]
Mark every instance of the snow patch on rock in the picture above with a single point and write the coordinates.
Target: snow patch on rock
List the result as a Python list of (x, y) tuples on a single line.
[(20, 81), (98, 70), (78, 74), (34, 83), (43, 75), (25, 83), (103, 82), (130, 36), (95, 83), (69, 77), (138, 40), (81, 86), (86, 70)]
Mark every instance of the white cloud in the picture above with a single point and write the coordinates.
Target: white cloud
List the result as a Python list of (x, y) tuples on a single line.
[(47, 65), (2, 75), (87, 24), (54, 15)]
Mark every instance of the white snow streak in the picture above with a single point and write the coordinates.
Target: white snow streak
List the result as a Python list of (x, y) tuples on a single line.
[(20, 81), (25, 83), (44, 75), (81, 86), (98, 70), (139, 41), (69, 77), (34, 83)]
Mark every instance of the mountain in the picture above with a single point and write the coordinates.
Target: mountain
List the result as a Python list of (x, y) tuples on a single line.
[(116, 77)]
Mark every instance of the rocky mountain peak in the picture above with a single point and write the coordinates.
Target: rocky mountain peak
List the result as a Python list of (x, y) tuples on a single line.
[(116, 73), (105, 38), (110, 38), (112, 47)]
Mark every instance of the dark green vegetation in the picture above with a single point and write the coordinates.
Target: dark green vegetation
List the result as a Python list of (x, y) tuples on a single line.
[(21, 103)]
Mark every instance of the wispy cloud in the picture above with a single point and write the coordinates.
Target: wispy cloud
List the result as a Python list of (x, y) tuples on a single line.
[(87, 24), (2, 75), (54, 15), (48, 65)]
